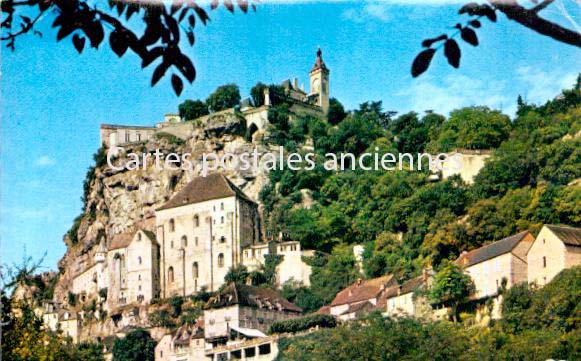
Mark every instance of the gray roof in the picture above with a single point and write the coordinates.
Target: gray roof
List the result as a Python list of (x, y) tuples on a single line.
[(492, 250), (569, 235)]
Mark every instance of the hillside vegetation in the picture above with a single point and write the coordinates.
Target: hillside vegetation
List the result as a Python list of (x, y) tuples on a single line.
[(537, 325), (406, 221)]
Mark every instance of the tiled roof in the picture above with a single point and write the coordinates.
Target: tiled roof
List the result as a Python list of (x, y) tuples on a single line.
[(325, 310), (251, 296), (120, 240), (569, 235), (358, 307), (363, 290), (201, 189), (492, 250), (406, 287)]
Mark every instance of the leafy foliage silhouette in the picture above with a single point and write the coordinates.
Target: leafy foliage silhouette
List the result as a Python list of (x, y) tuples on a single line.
[(528, 17), (163, 27)]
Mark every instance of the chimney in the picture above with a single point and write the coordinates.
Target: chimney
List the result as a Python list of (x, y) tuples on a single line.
[(296, 83)]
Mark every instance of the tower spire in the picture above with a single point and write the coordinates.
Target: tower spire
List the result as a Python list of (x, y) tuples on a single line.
[(319, 63)]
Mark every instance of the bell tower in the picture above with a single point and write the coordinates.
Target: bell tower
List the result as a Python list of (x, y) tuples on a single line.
[(320, 82)]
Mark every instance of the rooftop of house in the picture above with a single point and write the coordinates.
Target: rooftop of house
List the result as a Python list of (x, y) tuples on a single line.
[(122, 240), (201, 189), (363, 290), (405, 288), (251, 296), (491, 250), (568, 235), (185, 333)]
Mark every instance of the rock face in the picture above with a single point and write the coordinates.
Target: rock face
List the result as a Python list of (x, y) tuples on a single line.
[(120, 200)]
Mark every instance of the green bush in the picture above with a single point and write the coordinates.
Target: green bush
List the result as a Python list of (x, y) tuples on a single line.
[(302, 324)]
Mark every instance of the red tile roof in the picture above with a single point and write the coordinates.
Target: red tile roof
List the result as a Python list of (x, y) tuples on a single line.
[(201, 189), (363, 290)]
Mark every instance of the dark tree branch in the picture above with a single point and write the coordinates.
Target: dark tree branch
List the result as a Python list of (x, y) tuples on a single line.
[(531, 19), (542, 5), (25, 28)]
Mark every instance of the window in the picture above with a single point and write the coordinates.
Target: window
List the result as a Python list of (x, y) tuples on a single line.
[(172, 225), (196, 240), (222, 219), (184, 241), (222, 239), (221, 260), (171, 244), (127, 137), (195, 270), (222, 206), (138, 137), (544, 262), (139, 236), (170, 275), (139, 260), (543, 241), (139, 278), (196, 221)]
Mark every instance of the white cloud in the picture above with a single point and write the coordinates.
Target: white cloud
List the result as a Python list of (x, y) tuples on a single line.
[(544, 85), (44, 161), (456, 91)]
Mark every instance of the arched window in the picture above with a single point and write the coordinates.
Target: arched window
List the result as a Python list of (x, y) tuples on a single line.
[(170, 275), (222, 239), (222, 206), (196, 221), (222, 219), (139, 260), (139, 278), (195, 270), (139, 236), (184, 241), (172, 225), (221, 260), (196, 240)]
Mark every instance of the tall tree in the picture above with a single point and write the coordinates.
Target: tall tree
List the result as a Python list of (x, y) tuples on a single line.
[(192, 109), (226, 96), (136, 346), (451, 286)]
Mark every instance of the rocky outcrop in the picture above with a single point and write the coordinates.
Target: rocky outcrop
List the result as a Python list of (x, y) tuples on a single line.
[(121, 200)]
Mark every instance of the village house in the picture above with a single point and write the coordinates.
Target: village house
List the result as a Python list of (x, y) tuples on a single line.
[(244, 310), (403, 300), (202, 231), (489, 265), (554, 249), (257, 349), (360, 297), (184, 344)]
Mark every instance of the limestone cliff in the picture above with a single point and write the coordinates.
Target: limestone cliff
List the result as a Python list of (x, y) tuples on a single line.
[(120, 200)]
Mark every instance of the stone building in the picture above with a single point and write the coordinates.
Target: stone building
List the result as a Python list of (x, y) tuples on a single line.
[(314, 103), (292, 267), (113, 135), (133, 268), (490, 264), (466, 163), (554, 249), (184, 344), (244, 309), (93, 278), (202, 231), (400, 300), (360, 297)]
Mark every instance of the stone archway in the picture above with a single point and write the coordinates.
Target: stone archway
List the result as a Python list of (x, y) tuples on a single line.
[(250, 132)]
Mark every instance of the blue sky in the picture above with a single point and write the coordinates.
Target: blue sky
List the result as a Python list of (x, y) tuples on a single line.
[(53, 100)]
